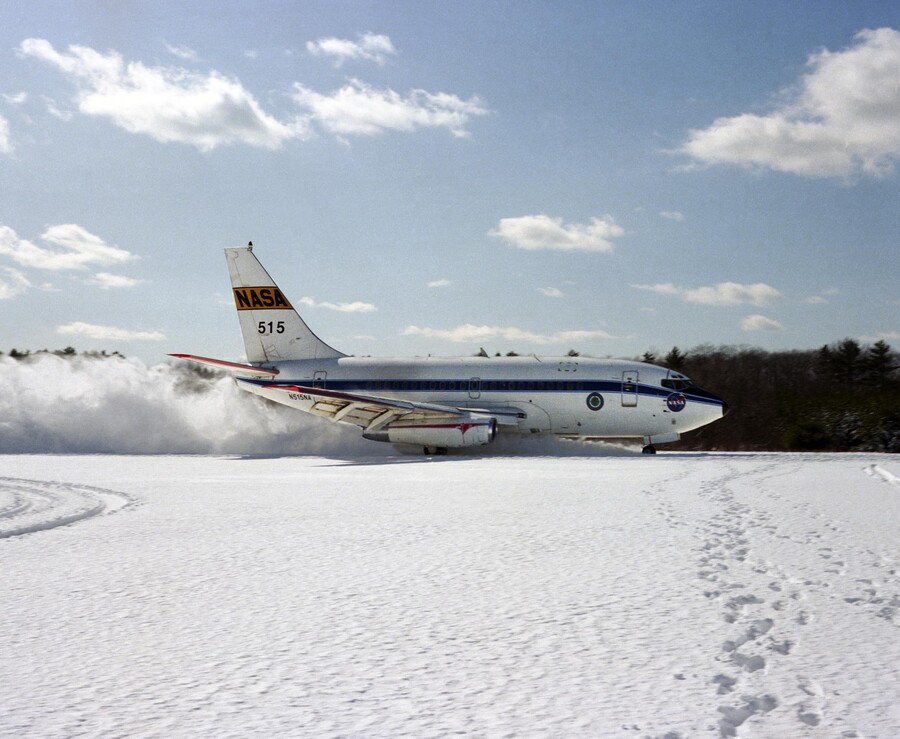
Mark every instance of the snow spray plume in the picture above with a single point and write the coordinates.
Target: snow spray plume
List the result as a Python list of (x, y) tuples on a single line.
[(85, 405), (111, 405)]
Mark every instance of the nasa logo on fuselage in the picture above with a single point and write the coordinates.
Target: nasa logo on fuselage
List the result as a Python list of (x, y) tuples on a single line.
[(260, 298), (676, 402)]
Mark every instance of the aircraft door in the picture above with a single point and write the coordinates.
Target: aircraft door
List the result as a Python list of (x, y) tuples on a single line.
[(475, 388), (319, 380), (629, 389)]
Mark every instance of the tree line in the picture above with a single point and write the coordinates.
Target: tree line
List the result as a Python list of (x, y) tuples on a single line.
[(841, 397)]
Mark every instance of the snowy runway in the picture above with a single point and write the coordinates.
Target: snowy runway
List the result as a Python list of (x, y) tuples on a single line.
[(682, 595)]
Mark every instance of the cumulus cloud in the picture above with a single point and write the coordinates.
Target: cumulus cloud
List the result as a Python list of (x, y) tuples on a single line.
[(822, 297), (357, 109), (468, 333), (369, 47), (108, 281), (77, 249), (5, 146), (182, 52), (842, 120), (883, 336), (13, 284), (166, 103), (16, 98), (725, 293), (537, 232), (663, 288), (54, 109), (93, 331), (550, 292), (354, 307), (672, 215), (172, 104), (732, 293), (443, 282), (757, 322)]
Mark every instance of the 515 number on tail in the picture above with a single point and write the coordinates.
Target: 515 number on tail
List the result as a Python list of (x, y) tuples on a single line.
[(268, 327)]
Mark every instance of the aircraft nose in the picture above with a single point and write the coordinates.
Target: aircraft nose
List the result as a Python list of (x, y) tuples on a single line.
[(698, 391)]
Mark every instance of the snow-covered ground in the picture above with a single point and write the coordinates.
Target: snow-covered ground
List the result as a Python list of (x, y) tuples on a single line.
[(617, 595)]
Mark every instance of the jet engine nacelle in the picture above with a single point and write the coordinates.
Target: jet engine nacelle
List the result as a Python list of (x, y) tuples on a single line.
[(446, 434)]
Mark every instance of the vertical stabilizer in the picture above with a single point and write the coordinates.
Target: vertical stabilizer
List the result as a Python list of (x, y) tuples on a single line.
[(272, 330)]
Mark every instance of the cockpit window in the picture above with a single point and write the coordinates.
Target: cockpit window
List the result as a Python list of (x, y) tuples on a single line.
[(680, 383)]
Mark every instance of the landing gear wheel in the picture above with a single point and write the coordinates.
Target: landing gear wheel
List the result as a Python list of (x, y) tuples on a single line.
[(649, 449), (437, 451)]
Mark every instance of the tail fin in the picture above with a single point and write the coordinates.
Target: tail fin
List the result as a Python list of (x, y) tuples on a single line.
[(272, 329)]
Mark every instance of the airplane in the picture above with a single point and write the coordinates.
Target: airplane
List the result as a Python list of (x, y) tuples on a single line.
[(450, 403)]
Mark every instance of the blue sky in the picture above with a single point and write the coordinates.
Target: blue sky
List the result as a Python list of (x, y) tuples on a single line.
[(431, 178)]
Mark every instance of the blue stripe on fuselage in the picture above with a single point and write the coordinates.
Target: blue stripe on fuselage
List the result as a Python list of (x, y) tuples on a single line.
[(489, 387)]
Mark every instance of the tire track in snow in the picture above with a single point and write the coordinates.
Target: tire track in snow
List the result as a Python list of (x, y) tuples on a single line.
[(28, 506)]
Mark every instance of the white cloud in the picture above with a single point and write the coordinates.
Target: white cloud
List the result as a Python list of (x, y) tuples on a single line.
[(15, 283), (182, 52), (358, 109), (78, 248), (443, 282), (370, 47), (166, 103), (354, 307), (663, 288), (54, 110), (543, 232), (732, 293), (757, 322), (16, 98), (93, 331), (842, 120), (822, 297), (468, 333), (883, 336), (725, 293), (551, 292), (5, 146), (672, 215), (108, 281)]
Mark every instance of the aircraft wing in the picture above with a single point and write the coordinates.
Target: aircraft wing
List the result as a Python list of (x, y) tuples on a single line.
[(371, 412)]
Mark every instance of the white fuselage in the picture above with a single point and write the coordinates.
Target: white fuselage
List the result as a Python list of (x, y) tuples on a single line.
[(578, 396)]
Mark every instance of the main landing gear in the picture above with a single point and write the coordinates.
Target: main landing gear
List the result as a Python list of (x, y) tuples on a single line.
[(436, 451), (649, 449)]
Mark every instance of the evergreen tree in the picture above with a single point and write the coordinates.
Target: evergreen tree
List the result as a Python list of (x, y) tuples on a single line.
[(847, 362), (675, 359), (878, 364)]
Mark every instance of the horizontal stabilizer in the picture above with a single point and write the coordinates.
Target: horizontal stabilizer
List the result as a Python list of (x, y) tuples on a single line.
[(244, 370)]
